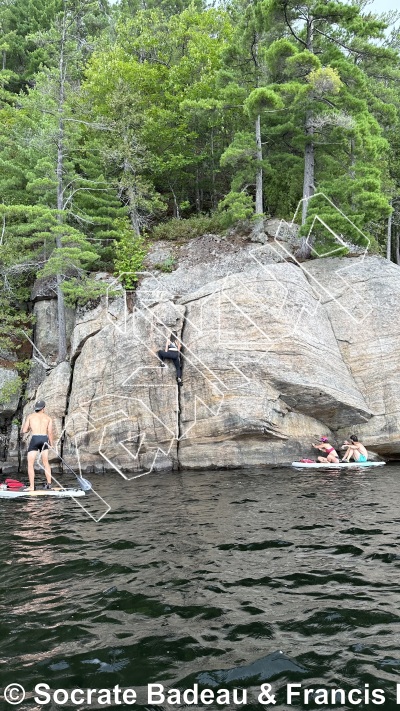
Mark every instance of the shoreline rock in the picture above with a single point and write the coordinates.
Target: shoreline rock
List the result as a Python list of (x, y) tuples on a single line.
[(275, 354)]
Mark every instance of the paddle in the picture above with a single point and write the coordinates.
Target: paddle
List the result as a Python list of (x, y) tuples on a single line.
[(83, 483)]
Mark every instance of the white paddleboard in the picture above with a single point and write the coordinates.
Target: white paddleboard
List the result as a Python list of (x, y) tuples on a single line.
[(339, 465), (19, 493)]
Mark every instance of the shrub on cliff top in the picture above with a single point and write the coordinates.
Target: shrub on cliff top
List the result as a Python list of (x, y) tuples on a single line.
[(183, 230), (129, 255)]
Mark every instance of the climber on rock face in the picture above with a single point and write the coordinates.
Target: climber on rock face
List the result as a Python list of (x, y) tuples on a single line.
[(172, 352)]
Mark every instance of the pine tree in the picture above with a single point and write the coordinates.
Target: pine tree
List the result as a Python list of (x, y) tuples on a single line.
[(50, 137), (382, 93), (315, 70), (157, 88), (21, 57), (245, 86)]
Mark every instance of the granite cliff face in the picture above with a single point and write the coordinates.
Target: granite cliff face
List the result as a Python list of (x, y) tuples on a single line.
[(275, 354)]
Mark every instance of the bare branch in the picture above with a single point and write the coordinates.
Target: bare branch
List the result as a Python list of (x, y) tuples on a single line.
[(79, 218), (290, 26), (352, 50), (3, 230), (91, 124), (77, 190)]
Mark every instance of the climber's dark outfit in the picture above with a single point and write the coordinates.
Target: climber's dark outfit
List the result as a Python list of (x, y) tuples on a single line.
[(172, 354)]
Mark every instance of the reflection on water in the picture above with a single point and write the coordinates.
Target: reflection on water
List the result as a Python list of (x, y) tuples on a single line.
[(206, 577)]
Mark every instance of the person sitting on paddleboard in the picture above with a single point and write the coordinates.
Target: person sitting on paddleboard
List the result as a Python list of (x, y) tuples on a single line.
[(331, 455), (172, 352), (355, 450), (39, 424)]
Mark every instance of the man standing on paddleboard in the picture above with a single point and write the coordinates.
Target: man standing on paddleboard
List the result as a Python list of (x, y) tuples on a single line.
[(40, 426)]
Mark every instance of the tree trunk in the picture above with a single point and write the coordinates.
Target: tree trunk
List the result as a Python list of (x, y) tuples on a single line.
[(308, 184), (352, 158), (259, 173), (309, 157), (177, 214), (133, 212), (259, 176), (389, 239), (398, 247), (213, 195), (129, 191), (197, 188), (309, 166), (62, 329)]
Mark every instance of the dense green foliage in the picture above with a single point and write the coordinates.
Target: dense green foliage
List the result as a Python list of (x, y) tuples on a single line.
[(169, 118)]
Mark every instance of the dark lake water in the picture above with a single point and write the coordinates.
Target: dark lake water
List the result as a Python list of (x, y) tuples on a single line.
[(206, 577)]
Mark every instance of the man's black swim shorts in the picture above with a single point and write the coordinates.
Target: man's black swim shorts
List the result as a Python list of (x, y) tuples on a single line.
[(38, 443)]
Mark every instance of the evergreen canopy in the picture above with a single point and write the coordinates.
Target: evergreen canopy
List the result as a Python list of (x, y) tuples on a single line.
[(118, 117)]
